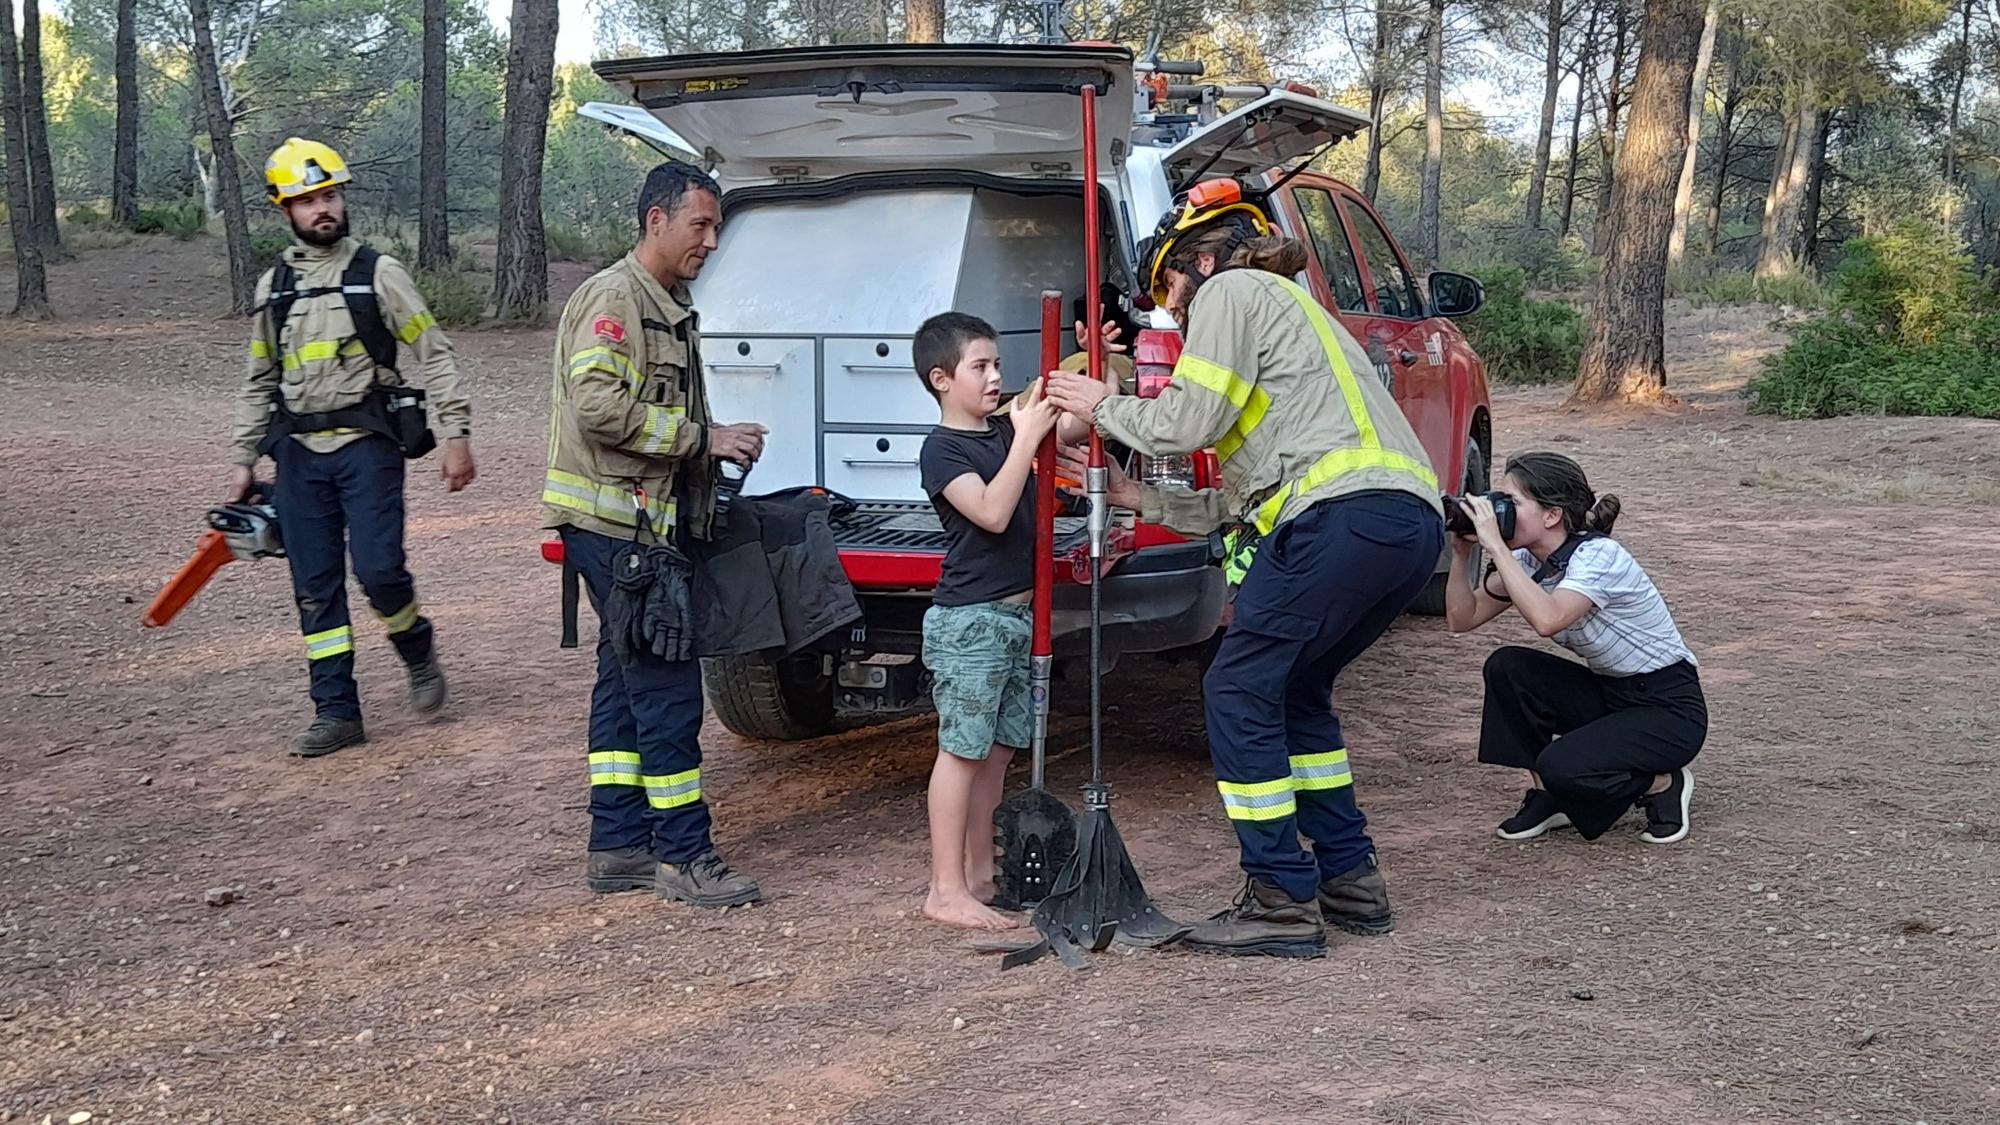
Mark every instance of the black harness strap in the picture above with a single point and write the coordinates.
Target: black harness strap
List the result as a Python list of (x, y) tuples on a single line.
[(1556, 563)]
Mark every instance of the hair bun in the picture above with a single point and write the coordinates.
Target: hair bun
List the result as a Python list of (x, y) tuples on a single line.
[(1603, 514)]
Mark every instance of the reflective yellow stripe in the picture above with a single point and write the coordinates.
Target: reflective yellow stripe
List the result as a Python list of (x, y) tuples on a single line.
[(1343, 371), (416, 327), (1215, 377), (403, 619), (1258, 800), (332, 642), (614, 767), (1338, 463), (610, 502), (320, 349), (1321, 771), (260, 348), (1370, 455), (1246, 424), (662, 424), (605, 360), (673, 790)]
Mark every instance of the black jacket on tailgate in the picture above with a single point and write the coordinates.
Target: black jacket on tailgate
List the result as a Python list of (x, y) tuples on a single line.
[(769, 577)]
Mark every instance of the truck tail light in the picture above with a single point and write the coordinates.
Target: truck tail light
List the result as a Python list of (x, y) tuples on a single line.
[(1152, 378), (1176, 470)]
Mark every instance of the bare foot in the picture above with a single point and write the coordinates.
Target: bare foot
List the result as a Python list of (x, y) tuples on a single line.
[(982, 889), (964, 910)]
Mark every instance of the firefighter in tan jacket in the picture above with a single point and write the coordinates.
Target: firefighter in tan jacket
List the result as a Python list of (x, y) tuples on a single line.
[(1319, 462), (326, 399), (631, 458)]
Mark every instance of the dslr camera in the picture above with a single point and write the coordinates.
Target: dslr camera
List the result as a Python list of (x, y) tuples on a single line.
[(1458, 521)]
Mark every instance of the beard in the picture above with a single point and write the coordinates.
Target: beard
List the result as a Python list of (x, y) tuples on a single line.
[(313, 236)]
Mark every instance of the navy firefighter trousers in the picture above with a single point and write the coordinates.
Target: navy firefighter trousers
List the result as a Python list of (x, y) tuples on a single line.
[(645, 728), (347, 502), (1324, 585)]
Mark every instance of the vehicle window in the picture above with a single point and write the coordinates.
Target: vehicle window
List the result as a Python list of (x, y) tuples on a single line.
[(1395, 290), (1329, 238)]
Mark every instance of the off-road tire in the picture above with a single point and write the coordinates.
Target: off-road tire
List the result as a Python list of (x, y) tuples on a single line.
[(785, 701), (1478, 478)]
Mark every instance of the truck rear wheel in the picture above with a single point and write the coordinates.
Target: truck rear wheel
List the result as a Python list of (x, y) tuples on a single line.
[(1478, 478), (775, 701)]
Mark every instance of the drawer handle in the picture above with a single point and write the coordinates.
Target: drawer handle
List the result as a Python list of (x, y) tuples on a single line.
[(770, 367), (877, 368), (878, 462)]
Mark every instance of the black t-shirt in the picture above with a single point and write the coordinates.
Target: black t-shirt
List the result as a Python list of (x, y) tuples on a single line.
[(979, 566)]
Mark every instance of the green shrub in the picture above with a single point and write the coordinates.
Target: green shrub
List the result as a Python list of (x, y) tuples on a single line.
[(1704, 285), (1909, 331), (457, 299), (596, 245), (85, 215), (1523, 339), (267, 245), (182, 220)]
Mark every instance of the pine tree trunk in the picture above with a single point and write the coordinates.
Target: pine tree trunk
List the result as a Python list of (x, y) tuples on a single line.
[(1778, 253), (521, 264), (1378, 101), (924, 20), (222, 160), (35, 118), (125, 132), (1815, 184), (1538, 175), (1725, 136), (878, 20), (1429, 219), (1962, 63), (1614, 107), (31, 280), (433, 221), (1697, 103), (1586, 59), (1624, 357)]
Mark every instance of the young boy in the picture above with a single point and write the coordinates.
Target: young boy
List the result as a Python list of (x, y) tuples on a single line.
[(975, 468)]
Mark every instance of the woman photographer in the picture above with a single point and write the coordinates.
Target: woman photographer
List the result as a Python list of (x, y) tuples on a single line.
[(1596, 737)]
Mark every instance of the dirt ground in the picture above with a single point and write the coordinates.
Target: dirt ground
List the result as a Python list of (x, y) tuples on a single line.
[(413, 941)]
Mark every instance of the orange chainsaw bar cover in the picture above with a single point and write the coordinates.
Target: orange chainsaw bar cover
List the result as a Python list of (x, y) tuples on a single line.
[(211, 551)]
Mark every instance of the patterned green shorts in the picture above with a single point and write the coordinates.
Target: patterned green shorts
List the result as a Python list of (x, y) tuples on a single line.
[(978, 657)]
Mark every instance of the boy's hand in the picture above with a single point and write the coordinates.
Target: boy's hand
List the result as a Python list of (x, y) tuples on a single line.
[(1110, 332), (1034, 415)]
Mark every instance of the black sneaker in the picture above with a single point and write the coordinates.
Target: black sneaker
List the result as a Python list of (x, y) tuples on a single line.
[(1667, 810), (1539, 814)]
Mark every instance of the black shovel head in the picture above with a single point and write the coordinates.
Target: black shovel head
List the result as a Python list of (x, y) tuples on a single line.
[(1099, 896), (1036, 835)]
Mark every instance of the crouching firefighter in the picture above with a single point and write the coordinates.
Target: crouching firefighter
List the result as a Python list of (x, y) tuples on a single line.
[(326, 400), (631, 484), (1318, 461)]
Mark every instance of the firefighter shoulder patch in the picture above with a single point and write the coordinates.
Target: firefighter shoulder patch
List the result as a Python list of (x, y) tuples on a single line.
[(608, 328)]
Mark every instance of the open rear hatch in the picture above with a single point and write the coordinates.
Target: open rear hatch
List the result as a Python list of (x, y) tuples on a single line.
[(814, 113), (1278, 132)]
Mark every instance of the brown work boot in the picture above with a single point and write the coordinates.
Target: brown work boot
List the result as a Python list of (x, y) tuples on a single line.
[(1357, 900), (609, 870), (1263, 922), (427, 687), (327, 734), (706, 881)]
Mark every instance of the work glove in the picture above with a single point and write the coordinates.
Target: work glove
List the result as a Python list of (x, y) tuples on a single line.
[(668, 622), (625, 608)]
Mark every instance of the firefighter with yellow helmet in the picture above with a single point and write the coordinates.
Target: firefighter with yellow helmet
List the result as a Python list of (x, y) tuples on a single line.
[(328, 397), (1320, 464)]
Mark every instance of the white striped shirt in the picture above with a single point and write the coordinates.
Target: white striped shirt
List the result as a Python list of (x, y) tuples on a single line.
[(1630, 631)]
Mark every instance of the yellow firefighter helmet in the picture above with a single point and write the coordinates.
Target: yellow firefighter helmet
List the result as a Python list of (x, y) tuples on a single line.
[(301, 167)]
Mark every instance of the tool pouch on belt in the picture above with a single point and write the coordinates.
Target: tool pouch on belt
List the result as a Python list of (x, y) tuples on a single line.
[(651, 607), (396, 413)]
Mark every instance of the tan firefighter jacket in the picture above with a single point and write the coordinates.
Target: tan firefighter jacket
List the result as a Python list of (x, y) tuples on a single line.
[(323, 365), (1269, 379), (628, 409)]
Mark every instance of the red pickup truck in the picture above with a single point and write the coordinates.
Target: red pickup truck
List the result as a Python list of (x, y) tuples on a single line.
[(867, 187)]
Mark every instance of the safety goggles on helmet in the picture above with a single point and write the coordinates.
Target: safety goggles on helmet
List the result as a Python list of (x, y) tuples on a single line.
[(251, 530), (1205, 205), (301, 167)]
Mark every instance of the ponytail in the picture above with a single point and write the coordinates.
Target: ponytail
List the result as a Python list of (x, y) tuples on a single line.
[(1603, 514), (1272, 254)]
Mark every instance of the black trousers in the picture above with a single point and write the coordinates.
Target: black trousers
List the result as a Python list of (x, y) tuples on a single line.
[(1597, 742), (351, 498)]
